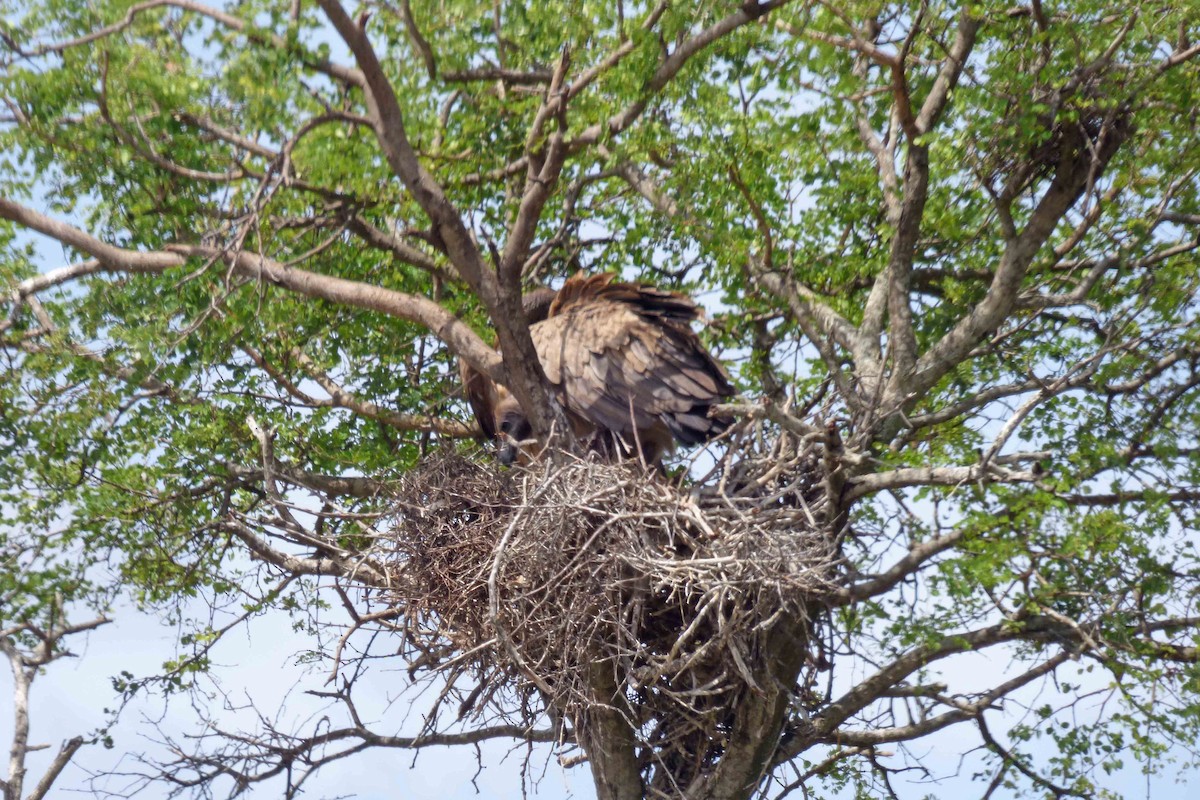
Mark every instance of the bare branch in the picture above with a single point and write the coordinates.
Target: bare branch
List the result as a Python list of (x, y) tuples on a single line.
[(388, 242), (823, 326), (216, 15), (856, 43), (825, 725), (113, 258), (963, 710), (545, 165), (524, 373), (390, 130), (1010, 758), (65, 754), (26, 665), (863, 485), (589, 76), (917, 556), (1074, 172), (670, 67), (339, 397), (327, 485), (1130, 496), (419, 42), (55, 277), (359, 570)]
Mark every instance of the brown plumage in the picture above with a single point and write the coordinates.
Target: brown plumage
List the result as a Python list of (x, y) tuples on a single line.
[(625, 364)]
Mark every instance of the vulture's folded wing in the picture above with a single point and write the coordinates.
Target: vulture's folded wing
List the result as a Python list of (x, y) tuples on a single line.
[(623, 368)]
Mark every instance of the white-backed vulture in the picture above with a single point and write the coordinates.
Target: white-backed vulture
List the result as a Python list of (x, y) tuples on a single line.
[(624, 363)]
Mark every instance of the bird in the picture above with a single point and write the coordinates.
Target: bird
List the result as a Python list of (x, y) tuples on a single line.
[(622, 360)]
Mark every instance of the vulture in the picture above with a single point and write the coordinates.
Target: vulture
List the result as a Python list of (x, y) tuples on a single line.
[(624, 363)]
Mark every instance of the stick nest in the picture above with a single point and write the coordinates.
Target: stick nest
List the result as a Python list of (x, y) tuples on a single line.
[(531, 579)]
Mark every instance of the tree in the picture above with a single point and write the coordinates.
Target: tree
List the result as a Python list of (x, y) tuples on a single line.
[(950, 248), (30, 594)]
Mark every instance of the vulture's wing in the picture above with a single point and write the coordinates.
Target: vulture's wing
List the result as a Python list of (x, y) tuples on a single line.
[(623, 366)]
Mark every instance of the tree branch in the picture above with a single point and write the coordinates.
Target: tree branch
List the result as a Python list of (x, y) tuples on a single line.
[(339, 397), (948, 75), (863, 485), (670, 67), (327, 566), (824, 725), (524, 373), (444, 325), (963, 711), (65, 754), (216, 15), (1078, 166), (390, 131)]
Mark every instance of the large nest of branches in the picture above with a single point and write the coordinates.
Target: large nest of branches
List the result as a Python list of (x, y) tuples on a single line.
[(551, 581)]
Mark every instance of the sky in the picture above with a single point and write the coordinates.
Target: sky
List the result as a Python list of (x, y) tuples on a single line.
[(260, 663)]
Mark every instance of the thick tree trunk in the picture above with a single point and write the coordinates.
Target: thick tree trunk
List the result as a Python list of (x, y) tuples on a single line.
[(758, 719), (609, 740)]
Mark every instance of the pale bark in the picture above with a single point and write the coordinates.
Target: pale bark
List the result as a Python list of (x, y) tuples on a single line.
[(27, 663)]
